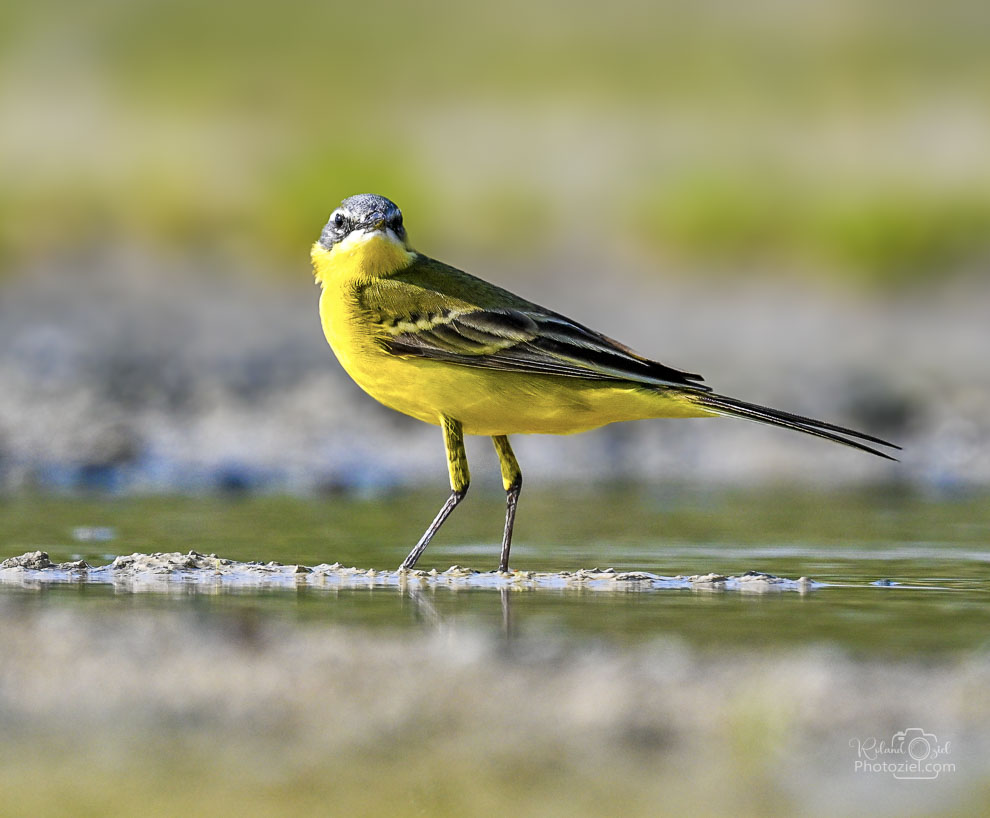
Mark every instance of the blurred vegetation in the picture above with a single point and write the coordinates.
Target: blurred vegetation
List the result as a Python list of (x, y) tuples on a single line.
[(830, 136)]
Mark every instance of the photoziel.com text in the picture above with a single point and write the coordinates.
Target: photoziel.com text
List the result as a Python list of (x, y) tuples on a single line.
[(912, 753)]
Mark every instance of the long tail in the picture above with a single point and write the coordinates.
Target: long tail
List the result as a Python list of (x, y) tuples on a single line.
[(723, 405)]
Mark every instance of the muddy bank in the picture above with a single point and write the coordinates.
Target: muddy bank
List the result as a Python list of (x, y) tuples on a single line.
[(164, 572)]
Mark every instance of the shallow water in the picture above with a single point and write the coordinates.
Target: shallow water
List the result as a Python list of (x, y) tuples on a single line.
[(895, 574), (213, 686)]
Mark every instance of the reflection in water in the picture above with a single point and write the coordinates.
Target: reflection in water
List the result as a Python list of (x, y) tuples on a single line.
[(426, 611), (507, 631), (429, 616)]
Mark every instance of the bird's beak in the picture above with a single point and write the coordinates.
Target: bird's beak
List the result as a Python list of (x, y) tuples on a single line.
[(376, 221)]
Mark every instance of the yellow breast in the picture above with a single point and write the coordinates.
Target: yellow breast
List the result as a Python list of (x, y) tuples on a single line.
[(359, 258), (353, 337)]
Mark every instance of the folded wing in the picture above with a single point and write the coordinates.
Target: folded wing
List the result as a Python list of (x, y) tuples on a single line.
[(436, 312), (528, 341)]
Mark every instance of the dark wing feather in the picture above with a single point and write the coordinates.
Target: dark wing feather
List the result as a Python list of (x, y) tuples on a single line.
[(434, 311), (439, 313), (535, 342)]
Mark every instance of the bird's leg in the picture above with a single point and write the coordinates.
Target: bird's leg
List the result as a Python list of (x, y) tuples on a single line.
[(512, 482), (460, 479)]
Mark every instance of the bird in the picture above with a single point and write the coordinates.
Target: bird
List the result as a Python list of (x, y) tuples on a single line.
[(453, 350)]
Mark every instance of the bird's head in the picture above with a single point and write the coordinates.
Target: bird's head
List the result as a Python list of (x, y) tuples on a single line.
[(364, 217), (364, 238)]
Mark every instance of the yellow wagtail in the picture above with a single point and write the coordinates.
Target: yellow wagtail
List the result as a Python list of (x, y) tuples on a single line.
[(453, 350)]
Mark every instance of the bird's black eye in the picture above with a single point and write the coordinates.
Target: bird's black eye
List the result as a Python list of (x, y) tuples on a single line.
[(338, 220), (397, 221)]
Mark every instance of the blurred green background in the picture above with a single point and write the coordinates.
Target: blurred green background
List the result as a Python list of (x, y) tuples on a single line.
[(791, 198), (830, 137)]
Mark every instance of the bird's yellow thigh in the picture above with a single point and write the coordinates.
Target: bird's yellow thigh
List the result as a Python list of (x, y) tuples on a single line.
[(457, 465), (511, 473)]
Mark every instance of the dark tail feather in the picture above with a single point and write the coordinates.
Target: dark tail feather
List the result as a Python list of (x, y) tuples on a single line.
[(762, 414)]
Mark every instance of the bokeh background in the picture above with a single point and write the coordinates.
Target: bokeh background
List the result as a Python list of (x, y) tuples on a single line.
[(791, 198)]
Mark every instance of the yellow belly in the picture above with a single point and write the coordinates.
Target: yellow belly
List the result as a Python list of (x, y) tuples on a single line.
[(485, 401)]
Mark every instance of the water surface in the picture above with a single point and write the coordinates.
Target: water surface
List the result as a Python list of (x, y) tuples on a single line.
[(895, 573)]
